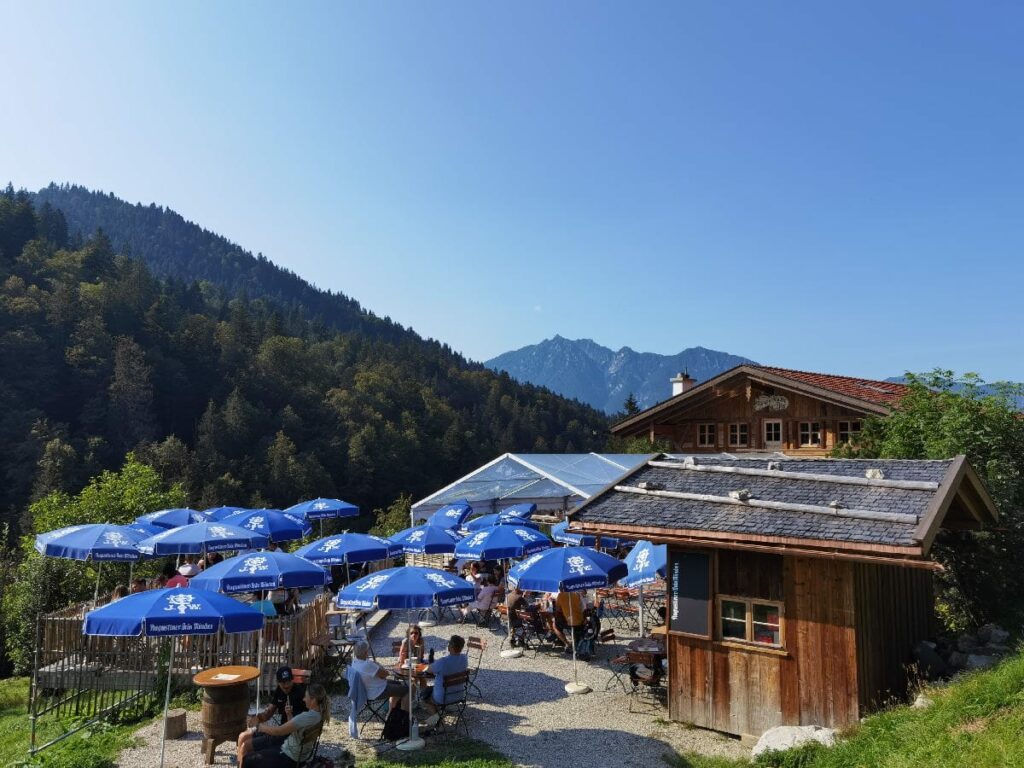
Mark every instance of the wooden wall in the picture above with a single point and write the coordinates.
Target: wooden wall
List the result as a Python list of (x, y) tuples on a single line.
[(736, 404), (895, 610), (745, 690)]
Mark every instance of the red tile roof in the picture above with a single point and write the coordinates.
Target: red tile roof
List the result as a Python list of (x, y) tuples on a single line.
[(881, 392)]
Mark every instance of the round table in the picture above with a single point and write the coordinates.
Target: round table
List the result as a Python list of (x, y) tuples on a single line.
[(225, 704)]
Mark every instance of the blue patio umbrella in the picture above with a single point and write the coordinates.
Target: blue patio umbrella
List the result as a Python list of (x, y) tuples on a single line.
[(95, 541), (145, 529), (561, 534), (217, 514), (345, 548), (567, 569), (323, 509), (99, 542), (426, 540), (451, 515), (498, 518), (519, 510), (646, 563), (172, 518), (502, 542), (407, 588), (170, 613), (259, 571), (200, 538), (272, 523)]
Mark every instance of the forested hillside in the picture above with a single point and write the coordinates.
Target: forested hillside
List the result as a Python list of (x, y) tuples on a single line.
[(175, 248), (241, 400)]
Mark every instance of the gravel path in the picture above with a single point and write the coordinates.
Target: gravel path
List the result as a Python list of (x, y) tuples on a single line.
[(526, 715)]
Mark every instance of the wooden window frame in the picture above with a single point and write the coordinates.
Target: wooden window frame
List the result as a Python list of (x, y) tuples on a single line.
[(810, 432), (748, 640), (781, 442), (850, 431), (738, 425), (710, 431)]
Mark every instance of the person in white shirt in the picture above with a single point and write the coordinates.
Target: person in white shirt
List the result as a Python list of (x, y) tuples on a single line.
[(375, 678), (482, 603)]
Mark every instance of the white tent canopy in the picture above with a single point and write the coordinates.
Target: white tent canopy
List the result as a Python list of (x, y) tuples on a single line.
[(555, 482)]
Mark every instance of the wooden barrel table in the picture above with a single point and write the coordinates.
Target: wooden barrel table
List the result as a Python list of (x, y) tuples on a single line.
[(225, 704)]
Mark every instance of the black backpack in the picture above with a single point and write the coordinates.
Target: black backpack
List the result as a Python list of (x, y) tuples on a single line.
[(396, 726)]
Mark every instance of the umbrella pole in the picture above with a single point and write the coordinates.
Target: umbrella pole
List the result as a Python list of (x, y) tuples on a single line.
[(640, 608), (414, 741), (510, 652), (576, 686), (167, 702), (259, 658), (96, 592)]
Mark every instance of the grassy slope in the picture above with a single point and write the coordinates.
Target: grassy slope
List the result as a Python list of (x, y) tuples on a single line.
[(978, 721), (95, 748), (458, 754)]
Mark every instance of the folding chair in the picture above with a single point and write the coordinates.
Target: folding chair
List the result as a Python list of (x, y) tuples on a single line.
[(616, 663), (479, 646), (456, 688), (376, 709), (646, 679), (311, 736)]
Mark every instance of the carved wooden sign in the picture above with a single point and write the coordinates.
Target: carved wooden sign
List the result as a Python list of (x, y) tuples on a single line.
[(771, 403)]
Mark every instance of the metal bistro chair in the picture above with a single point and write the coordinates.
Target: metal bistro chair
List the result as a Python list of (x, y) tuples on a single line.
[(475, 648), (618, 664), (375, 709), (646, 679), (310, 736), (456, 689)]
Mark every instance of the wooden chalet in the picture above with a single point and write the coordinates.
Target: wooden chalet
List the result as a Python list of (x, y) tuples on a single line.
[(758, 408), (798, 588)]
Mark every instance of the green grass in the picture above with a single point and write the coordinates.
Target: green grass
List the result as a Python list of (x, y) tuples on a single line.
[(95, 747), (978, 721), (460, 753)]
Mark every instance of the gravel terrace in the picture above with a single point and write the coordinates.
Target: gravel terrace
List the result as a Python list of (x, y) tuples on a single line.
[(526, 714)]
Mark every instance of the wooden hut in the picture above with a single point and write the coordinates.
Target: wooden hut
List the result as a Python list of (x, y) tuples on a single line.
[(798, 588)]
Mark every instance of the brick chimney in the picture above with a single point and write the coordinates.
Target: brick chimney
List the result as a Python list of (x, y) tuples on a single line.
[(682, 383)]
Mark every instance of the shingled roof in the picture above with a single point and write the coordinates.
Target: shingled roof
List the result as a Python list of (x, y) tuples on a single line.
[(871, 390), (878, 505)]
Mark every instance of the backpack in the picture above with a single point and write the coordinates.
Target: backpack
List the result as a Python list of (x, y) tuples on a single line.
[(396, 726)]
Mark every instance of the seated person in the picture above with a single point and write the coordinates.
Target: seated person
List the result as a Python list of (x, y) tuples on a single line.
[(287, 700), (287, 751), (515, 601), (473, 573), (482, 603), (375, 678), (568, 616), (435, 695), (419, 650)]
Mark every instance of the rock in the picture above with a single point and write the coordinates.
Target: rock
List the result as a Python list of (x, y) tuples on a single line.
[(966, 643), (993, 650), (977, 661), (993, 634), (930, 644), (922, 702), (957, 660), (785, 737), (929, 663)]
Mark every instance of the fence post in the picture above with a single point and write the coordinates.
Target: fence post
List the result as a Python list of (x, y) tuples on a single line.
[(33, 688)]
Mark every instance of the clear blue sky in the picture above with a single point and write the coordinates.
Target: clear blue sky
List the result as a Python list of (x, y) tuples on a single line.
[(813, 186)]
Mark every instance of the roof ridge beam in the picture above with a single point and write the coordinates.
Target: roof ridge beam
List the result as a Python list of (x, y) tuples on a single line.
[(909, 485), (857, 514)]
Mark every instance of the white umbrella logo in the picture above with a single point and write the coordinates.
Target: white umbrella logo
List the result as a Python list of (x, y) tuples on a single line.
[(182, 603), (253, 565)]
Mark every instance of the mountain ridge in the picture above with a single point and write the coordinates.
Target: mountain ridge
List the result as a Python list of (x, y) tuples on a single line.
[(603, 377)]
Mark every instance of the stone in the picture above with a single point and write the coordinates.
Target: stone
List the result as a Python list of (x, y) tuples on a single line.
[(784, 737), (929, 663), (993, 650), (966, 643), (977, 661), (922, 702), (993, 634), (957, 660)]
